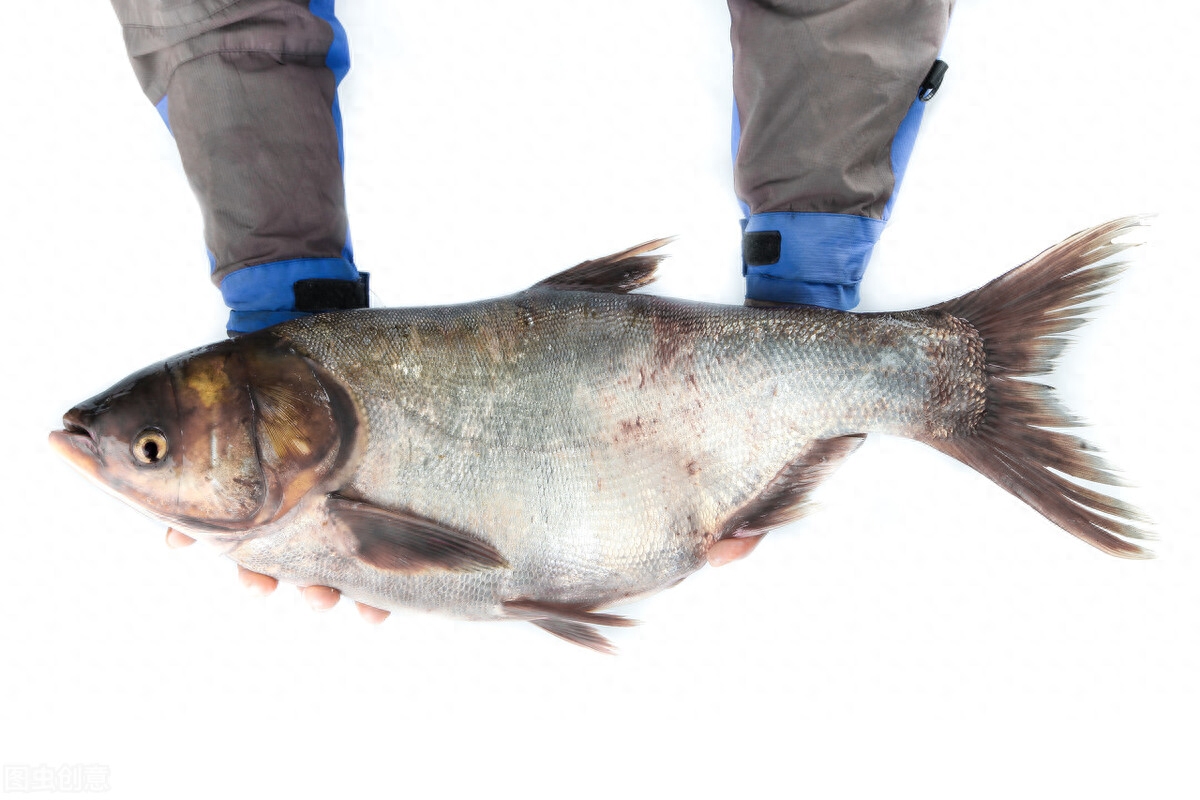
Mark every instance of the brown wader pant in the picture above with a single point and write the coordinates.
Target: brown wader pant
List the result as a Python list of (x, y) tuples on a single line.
[(826, 112)]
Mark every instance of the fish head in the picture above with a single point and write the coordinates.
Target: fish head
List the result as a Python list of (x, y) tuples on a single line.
[(126, 440), (217, 441)]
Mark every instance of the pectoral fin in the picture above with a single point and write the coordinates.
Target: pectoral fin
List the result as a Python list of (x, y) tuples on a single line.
[(574, 623), (406, 542)]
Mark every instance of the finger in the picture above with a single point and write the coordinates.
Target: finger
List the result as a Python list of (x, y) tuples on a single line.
[(372, 614), (175, 539), (258, 584), (320, 598), (729, 550)]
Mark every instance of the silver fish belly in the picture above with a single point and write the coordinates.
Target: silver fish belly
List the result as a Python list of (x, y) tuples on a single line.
[(601, 442)]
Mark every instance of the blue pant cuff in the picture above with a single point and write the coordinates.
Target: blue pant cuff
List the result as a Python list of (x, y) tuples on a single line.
[(841, 296), (811, 258), (264, 294), (250, 321), (269, 287)]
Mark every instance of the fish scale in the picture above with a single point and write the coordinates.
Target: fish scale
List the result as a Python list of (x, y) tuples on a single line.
[(577, 469)]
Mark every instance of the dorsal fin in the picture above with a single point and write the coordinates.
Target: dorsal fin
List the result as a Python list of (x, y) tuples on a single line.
[(785, 498), (619, 273)]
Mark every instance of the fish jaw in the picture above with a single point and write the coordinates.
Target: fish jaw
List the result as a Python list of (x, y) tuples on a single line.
[(77, 446)]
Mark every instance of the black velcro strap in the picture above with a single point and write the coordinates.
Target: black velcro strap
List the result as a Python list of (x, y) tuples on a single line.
[(329, 294), (760, 248), (933, 81)]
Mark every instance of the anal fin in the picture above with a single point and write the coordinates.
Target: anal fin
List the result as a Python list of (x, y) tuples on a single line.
[(573, 623), (402, 541), (785, 498)]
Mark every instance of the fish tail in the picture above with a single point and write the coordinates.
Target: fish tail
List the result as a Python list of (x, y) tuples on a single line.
[(1018, 440)]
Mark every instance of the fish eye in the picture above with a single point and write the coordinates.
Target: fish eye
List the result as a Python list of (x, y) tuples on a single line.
[(149, 446)]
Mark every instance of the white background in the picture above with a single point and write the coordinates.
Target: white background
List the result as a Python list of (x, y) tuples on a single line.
[(923, 634)]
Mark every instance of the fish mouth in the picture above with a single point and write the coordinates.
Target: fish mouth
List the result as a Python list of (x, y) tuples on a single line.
[(77, 445)]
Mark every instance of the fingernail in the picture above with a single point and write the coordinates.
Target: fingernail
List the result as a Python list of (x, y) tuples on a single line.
[(256, 583), (321, 598), (175, 539), (371, 614)]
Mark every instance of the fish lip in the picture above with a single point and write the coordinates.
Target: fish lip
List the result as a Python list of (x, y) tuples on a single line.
[(74, 421), (72, 429), (77, 444)]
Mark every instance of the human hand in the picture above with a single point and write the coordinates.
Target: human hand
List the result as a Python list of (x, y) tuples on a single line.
[(727, 551), (319, 598), (323, 598)]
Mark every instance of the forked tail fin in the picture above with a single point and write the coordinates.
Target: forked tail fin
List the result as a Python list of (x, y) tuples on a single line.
[(1021, 317)]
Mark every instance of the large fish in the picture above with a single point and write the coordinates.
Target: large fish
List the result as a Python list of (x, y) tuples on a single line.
[(548, 454)]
